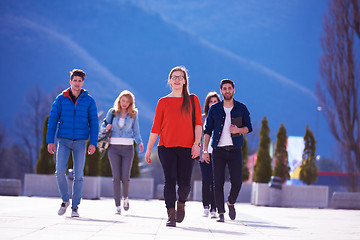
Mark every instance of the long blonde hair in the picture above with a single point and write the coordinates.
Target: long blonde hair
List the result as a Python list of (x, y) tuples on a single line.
[(131, 108)]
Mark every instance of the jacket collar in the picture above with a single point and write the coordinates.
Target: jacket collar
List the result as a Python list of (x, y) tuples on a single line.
[(236, 104), (66, 92)]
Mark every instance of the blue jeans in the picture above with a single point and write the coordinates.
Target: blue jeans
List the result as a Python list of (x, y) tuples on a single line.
[(78, 148), (177, 165), (232, 158)]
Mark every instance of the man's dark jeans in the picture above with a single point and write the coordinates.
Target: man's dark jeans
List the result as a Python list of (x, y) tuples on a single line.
[(233, 158), (177, 165)]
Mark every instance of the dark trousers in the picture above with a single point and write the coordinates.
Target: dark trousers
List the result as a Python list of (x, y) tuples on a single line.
[(208, 193), (177, 165), (232, 158)]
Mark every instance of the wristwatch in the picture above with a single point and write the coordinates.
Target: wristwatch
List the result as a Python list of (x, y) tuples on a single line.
[(205, 151)]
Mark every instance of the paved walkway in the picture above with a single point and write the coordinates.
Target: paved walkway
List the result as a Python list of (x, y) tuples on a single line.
[(36, 218)]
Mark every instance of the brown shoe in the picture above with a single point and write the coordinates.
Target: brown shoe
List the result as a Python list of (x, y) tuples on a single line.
[(171, 218), (180, 212)]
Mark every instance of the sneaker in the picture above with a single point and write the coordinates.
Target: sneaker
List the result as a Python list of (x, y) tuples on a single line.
[(63, 208), (221, 218), (232, 212), (213, 214), (118, 210), (206, 212), (75, 213), (126, 204)]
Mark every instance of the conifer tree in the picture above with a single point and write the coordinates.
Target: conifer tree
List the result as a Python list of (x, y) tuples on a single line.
[(245, 170), (135, 170), (262, 168), (308, 168), (105, 168), (281, 168), (92, 162), (45, 164)]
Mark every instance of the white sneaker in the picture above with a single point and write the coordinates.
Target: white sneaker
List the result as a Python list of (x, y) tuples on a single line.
[(206, 212), (213, 214), (118, 210), (126, 204), (63, 207), (74, 213)]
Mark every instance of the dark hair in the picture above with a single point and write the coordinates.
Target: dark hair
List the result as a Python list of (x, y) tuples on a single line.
[(207, 100), (77, 72), (185, 107), (224, 81)]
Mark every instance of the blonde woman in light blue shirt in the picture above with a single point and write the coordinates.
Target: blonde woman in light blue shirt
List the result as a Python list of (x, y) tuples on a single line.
[(124, 130)]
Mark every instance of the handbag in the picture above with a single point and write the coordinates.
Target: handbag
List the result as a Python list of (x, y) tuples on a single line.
[(104, 137), (193, 117)]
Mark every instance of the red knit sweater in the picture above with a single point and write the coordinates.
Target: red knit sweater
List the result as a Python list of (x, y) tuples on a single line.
[(175, 128)]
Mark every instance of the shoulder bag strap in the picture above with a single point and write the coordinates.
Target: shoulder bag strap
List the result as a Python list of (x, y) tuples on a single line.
[(193, 111), (112, 116)]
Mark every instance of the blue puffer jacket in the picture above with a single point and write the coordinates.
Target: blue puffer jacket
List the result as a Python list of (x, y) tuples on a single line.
[(73, 120)]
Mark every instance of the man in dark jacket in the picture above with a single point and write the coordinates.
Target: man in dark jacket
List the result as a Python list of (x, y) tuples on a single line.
[(228, 120), (73, 117)]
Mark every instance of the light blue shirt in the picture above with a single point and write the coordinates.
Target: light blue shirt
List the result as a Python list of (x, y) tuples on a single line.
[(130, 129)]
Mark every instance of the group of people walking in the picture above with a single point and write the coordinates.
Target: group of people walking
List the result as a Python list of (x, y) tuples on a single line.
[(214, 138)]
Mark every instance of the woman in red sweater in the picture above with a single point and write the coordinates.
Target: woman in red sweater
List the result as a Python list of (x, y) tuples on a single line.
[(179, 142)]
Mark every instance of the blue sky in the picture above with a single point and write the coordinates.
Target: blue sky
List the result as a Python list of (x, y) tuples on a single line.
[(270, 49)]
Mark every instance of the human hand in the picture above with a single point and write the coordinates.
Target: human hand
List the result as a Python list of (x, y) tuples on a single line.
[(141, 147), (51, 148), (147, 156), (91, 149), (195, 151), (206, 157), (234, 129), (108, 127)]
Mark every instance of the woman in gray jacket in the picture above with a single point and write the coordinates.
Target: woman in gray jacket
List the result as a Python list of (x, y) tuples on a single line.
[(124, 122)]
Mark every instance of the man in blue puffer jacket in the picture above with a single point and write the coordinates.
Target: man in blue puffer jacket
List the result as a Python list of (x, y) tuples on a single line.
[(73, 116)]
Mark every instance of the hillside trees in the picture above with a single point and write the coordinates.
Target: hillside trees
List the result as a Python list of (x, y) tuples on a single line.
[(29, 121), (308, 168), (45, 163), (281, 168), (14, 162), (338, 88), (262, 168)]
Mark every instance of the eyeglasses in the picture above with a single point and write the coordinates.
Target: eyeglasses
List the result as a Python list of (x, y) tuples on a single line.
[(177, 78)]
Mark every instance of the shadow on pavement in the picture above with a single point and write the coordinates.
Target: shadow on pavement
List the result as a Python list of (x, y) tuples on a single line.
[(263, 225), (83, 219), (194, 229)]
